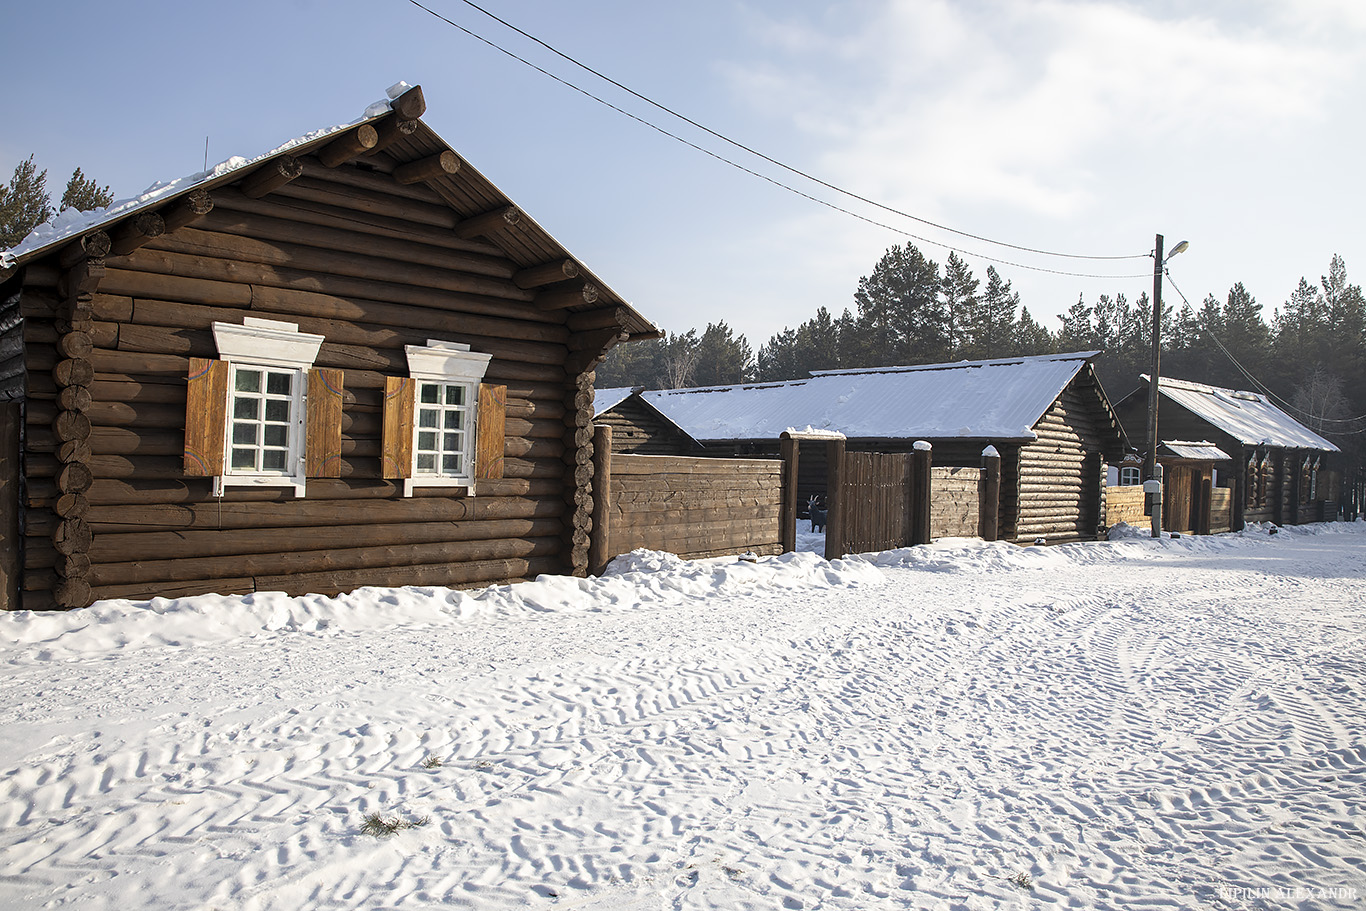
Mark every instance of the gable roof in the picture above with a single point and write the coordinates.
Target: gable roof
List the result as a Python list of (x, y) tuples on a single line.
[(467, 192), (998, 399), (1248, 417), (605, 400)]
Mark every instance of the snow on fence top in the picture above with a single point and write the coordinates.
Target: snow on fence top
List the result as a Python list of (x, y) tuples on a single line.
[(994, 399), (1246, 416)]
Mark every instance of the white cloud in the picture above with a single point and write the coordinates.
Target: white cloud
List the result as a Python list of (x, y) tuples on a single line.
[(928, 103)]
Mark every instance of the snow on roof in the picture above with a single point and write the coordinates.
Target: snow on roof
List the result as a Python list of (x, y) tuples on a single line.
[(994, 399), (1203, 450), (611, 397), (70, 222), (1246, 416)]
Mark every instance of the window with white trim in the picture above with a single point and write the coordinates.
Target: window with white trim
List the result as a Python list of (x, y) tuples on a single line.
[(248, 413), (1128, 475), (434, 418)]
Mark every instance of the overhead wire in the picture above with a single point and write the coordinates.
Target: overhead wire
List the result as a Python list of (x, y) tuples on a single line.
[(602, 101)]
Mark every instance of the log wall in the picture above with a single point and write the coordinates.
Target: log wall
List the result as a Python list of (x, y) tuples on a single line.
[(1062, 473), (370, 265), (639, 430), (695, 507), (954, 502)]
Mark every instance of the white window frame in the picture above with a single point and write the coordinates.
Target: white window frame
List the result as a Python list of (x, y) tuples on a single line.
[(1129, 475), (447, 364), (265, 344)]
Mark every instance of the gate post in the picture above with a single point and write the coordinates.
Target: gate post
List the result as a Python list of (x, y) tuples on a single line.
[(790, 450), (834, 499), (921, 458), (989, 495), (598, 534)]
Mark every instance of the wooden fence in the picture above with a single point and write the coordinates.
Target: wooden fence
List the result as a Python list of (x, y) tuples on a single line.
[(1126, 504), (704, 507)]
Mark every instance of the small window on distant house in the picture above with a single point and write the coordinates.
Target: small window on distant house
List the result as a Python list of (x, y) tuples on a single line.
[(1128, 475), (443, 427), (262, 415)]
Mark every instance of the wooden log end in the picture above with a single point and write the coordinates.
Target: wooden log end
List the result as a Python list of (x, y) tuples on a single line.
[(410, 105)]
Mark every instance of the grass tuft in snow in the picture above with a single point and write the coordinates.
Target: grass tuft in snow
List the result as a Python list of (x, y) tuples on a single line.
[(381, 826), (433, 762), (1023, 880)]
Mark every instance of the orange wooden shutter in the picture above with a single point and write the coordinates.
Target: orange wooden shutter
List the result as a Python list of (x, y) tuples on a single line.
[(322, 440), (492, 422), (206, 414), (396, 455)]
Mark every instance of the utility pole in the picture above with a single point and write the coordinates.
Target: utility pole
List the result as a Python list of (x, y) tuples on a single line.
[(1150, 459)]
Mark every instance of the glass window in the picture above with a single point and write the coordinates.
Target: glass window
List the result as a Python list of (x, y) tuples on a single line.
[(263, 431), (442, 428), (1128, 475)]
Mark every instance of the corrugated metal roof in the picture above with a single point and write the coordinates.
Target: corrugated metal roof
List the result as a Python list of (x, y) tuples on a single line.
[(995, 399), (1203, 451), (467, 193), (1246, 416)]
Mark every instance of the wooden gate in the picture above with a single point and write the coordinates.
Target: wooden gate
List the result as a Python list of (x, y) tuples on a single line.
[(875, 490)]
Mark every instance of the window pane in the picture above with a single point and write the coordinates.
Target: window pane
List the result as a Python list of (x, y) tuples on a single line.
[(450, 464), (455, 420), (248, 380), (244, 458), (277, 410), (426, 462), (451, 442), (455, 395), (278, 383), (277, 435), (245, 408), (430, 393), (244, 434), (427, 417), (273, 460), (426, 440)]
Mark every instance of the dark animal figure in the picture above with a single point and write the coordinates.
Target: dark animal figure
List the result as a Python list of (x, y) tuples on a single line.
[(818, 514)]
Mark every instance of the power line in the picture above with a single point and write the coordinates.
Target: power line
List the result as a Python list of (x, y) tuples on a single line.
[(766, 158)]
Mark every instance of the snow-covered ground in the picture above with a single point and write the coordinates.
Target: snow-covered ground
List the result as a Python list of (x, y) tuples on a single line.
[(1129, 724)]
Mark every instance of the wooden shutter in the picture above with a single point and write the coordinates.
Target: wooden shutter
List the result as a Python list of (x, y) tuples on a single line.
[(492, 421), (396, 454), (206, 414), (322, 435)]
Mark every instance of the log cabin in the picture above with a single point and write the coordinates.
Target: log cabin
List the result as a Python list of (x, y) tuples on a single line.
[(1280, 470), (1048, 418), (350, 361), (639, 428)]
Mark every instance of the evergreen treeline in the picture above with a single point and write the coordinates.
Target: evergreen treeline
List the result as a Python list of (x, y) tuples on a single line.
[(25, 203), (1310, 353)]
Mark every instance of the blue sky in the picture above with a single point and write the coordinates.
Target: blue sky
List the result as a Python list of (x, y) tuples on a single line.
[(1077, 127)]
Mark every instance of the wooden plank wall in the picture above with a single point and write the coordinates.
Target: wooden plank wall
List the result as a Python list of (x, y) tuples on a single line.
[(695, 507), (875, 498), (1061, 473), (954, 503), (372, 266), (1125, 504), (1221, 510)]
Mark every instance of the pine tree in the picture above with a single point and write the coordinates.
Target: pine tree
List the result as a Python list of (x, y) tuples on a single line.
[(777, 359), (992, 328), (84, 195), (678, 360), (722, 357), (961, 306), (24, 204), (1078, 333), (901, 316), (1032, 338)]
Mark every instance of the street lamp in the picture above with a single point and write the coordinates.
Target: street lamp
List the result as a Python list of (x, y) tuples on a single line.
[(1150, 460)]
